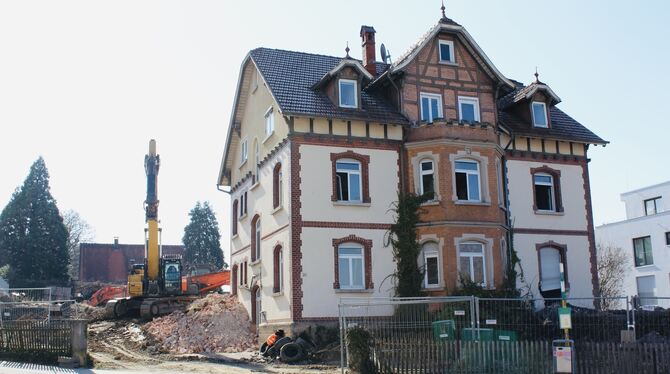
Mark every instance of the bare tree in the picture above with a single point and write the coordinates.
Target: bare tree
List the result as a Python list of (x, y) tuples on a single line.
[(78, 231), (613, 265)]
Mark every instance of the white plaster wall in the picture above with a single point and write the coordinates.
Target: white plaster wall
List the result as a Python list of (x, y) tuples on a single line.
[(520, 186), (621, 234), (318, 271), (316, 186), (634, 200), (272, 220), (579, 264)]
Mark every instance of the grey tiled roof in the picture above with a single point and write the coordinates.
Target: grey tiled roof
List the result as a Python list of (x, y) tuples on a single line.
[(563, 127), (291, 75)]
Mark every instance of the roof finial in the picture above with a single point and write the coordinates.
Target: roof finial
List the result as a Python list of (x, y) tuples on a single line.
[(347, 49), (443, 8), (537, 76)]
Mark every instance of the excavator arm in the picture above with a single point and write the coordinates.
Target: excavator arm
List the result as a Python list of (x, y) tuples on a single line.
[(206, 282)]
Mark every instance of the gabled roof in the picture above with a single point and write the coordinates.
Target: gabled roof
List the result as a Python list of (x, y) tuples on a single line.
[(291, 75), (448, 25), (563, 127), (525, 93), (347, 61)]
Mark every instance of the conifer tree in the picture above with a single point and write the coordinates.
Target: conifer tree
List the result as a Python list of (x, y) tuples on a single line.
[(202, 240), (32, 234)]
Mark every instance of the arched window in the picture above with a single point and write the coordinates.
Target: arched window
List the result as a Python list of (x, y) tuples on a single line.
[(546, 189), (256, 238), (427, 177), (257, 162), (233, 282), (350, 177), (430, 264), (353, 263), (467, 178), (550, 255), (278, 265), (277, 186), (472, 262), (233, 222)]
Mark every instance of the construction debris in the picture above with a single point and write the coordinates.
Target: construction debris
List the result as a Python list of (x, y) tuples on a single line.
[(215, 323), (88, 312)]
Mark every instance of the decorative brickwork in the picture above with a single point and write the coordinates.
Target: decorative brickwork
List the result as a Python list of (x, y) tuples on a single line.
[(592, 240), (367, 259), (296, 233), (365, 172)]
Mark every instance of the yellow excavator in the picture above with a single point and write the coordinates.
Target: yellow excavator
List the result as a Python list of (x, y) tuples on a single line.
[(154, 287)]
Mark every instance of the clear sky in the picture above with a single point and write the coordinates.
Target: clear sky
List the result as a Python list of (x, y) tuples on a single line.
[(87, 83)]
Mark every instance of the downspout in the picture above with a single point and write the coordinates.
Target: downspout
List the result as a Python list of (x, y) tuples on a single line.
[(508, 219)]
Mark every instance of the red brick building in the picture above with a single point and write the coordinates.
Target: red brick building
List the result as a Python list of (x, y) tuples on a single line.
[(111, 262)]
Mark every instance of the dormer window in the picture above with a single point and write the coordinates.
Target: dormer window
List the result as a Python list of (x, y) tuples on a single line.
[(348, 93), (447, 52), (539, 110)]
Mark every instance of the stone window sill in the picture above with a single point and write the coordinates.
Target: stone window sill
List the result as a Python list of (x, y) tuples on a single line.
[(255, 185), (255, 262), (277, 209), (646, 268), (549, 213), (432, 202), (476, 203), (340, 290), (234, 236), (268, 137), (449, 63), (348, 203), (277, 294), (242, 163), (242, 217)]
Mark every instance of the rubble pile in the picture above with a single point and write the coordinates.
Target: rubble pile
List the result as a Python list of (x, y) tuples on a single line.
[(215, 323), (91, 313)]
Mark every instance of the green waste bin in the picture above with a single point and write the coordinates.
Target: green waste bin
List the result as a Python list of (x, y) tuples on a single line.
[(470, 334), (444, 330), (505, 335)]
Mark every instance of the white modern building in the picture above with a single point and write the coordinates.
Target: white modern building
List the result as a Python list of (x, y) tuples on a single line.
[(645, 236)]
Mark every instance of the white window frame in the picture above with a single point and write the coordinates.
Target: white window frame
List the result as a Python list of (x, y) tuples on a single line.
[(349, 257), (349, 173), (431, 254), (281, 269), (430, 96), (467, 180), (532, 113), (468, 100), (257, 233), (339, 94), (269, 122), (552, 190), (426, 172), (451, 50), (244, 151), (470, 256)]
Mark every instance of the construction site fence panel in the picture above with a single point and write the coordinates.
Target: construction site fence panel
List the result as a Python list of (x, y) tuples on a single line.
[(37, 338), (39, 311), (481, 335)]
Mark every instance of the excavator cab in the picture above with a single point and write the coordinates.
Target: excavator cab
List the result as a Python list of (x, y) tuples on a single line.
[(171, 275)]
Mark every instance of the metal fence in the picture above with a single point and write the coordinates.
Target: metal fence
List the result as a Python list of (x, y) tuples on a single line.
[(470, 334)]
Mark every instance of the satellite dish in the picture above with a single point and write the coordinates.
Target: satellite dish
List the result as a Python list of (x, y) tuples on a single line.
[(383, 53)]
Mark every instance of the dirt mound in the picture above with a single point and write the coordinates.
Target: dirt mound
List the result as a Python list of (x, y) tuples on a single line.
[(91, 313), (215, 323)]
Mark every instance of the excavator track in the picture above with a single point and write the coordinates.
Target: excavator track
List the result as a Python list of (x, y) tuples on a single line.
[(155, 307)]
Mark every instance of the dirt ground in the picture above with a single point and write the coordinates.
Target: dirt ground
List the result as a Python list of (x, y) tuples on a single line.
[(122, 345)]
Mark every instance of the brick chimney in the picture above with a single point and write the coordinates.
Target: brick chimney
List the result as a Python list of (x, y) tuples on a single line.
[(368, 40)]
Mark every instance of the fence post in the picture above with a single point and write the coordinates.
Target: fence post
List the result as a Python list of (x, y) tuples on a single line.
[(79, 343)]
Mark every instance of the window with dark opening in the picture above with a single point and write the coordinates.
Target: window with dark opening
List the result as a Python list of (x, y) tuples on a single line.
[(427, 178), (544, 192), (348, 180)]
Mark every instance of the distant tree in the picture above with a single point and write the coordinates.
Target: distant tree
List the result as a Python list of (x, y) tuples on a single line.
[(78, 231), (32, 233), (202, 240), (613, 265)]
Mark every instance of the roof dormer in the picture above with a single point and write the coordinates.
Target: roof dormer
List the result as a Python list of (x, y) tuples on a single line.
[(532, 103), (343, 83)]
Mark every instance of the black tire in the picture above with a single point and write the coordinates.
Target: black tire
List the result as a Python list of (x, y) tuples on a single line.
[(291, 352), (120, 309), (306, 345), (280, 343), (264, 349)]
